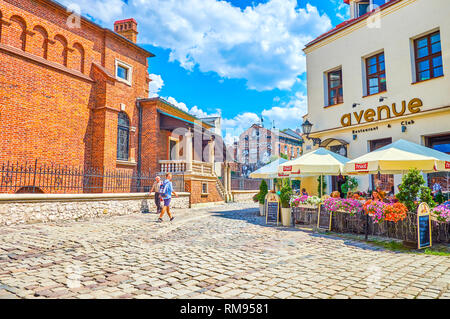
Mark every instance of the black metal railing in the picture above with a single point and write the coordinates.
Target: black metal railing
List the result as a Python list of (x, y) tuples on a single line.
[(44, 178)]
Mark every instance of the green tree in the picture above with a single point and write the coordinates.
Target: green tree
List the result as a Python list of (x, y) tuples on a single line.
[(282, 155)]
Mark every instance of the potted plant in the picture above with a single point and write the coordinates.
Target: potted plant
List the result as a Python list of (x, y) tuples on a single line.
[(285, 198), (263, 190)]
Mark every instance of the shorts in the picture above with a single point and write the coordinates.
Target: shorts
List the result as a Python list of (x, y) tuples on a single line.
[(167, 202)]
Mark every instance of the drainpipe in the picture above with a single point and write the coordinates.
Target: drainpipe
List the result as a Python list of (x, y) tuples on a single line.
[(139, 164)]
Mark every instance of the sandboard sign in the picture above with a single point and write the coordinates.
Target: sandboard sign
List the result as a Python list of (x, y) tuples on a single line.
[(324, 219), (424, 238), (272, 209)]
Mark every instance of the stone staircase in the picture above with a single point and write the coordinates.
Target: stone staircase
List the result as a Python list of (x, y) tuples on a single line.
[(223, 193)]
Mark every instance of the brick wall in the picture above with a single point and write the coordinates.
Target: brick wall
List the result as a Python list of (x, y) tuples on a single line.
[(195, 188), (55, 104)]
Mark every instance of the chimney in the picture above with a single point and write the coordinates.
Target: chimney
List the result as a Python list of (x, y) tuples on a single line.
[(127, 28)]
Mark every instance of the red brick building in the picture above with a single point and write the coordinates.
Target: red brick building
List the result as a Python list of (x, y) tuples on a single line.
[(77, 95)]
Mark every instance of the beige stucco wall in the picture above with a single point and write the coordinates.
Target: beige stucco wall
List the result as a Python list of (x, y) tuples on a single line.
[(398, 26)]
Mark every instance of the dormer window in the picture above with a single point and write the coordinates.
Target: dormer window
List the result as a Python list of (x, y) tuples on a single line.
[(362, 8)]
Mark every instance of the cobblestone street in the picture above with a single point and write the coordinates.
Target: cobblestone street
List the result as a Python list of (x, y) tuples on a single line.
[(221, 252)]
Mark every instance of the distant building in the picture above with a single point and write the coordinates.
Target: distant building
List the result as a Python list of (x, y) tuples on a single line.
[(257, 145)]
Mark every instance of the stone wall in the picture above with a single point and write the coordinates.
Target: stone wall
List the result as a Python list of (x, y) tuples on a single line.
[(36, 208), (244, 196)]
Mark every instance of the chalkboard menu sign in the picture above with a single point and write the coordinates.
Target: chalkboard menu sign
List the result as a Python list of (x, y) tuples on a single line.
[(423, 226), (272, 208), (324, 219)]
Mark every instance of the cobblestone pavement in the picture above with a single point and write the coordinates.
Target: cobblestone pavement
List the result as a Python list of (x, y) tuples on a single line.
[(223, 252)]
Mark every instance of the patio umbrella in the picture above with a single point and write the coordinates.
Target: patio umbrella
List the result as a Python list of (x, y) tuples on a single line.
[(269, 171), (320, 162), (399, 157)]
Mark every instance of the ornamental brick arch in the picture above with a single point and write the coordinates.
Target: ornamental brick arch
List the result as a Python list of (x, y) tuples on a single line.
[(59, 50), (39, 42), (16, 32), (77, 57)]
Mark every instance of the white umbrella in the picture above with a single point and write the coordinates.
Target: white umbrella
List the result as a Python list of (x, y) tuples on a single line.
[(317, 163), (398, 157), (269, 171)]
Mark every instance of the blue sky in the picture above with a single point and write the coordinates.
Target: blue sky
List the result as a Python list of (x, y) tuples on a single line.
[(238, 58)]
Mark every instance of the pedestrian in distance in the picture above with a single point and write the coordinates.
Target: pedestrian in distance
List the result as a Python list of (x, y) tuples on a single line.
[(156, 188), (166, 194)]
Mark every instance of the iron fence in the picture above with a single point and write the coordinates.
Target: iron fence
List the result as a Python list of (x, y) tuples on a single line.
[(44, 178)]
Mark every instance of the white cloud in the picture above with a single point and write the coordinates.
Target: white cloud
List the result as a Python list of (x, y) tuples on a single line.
[(234, 127), (155, 85), (195, 110), (288, 115), (341, 9), (180, 105), (102, 10), (261, 44)]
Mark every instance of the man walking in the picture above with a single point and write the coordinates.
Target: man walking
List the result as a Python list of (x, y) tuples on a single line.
[(156, 188), (167, 196)]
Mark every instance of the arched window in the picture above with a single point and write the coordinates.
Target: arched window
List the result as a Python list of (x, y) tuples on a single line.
[(123, 137)]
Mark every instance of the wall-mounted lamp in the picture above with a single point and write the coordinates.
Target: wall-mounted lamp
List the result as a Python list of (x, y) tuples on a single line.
[(382, 98), (356, 104), (389, 126), (306, 128), (355, 137), (404, 128)]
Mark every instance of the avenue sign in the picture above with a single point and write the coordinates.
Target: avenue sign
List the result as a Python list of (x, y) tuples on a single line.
[(381, 113)]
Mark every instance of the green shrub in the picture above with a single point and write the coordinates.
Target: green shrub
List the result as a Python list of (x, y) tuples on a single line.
[(413, 188), (439, 198), (263, 190), (350, 185), (426, 196)]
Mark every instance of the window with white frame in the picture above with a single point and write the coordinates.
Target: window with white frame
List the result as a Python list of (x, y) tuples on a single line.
[(124, 72), (204, 188)]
